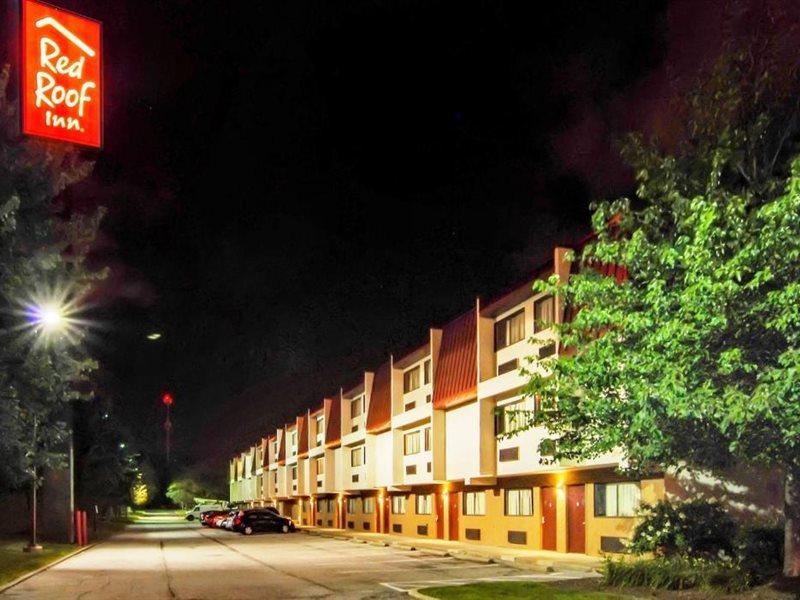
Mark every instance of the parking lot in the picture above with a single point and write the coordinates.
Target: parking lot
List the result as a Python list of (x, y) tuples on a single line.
[(186, 561)]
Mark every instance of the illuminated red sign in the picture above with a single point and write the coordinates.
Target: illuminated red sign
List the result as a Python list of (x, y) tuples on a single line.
[(62, 94)]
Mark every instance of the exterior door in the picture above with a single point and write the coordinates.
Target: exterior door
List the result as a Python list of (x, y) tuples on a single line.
[(454, 510), (439, 516), (342, 513), (549, 520), (386, 511), (576, 519)]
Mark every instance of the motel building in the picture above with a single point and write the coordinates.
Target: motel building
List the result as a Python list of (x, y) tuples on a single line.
[(412, 447)]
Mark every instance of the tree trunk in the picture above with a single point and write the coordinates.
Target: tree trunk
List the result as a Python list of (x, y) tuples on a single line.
[(791, 511)]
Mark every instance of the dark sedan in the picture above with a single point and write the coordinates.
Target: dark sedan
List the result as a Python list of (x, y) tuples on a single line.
[(260, 519)]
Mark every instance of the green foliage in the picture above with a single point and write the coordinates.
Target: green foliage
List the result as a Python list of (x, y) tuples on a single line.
[(696, 528), (184, 490), (693, 359), (675, 573), (42, 256), (759, 550), (512, 589)]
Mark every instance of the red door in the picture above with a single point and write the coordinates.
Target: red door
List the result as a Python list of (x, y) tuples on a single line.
[(576, 519), (439, 516), (343, 513), (549, 522), (455, 509), (386, 506)]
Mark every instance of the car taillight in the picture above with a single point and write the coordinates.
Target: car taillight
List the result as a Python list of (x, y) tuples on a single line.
[(237, 520)]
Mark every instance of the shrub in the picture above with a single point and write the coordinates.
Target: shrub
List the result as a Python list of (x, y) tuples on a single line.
[(676, 573), (759, 550), (696, 528)]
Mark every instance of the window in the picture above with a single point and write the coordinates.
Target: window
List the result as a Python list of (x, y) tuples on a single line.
[(320, 463), (474, 503), (293, 443), (543, 313), (352, 505), (369, 505), (424, 504), (616, 499), (411, 443), (320, 429), (294, 473), (410, 380), (519, 503), (398, 505), (356, 407), (357, 457), (509, 330), (508, 418), (426, 372), (427, 433)]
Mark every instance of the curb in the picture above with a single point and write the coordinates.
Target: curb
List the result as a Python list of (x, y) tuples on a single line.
[(470, 557), (22, 578), (415, 593)]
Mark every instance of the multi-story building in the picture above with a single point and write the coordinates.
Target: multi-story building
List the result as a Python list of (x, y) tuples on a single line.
[(427, 445)]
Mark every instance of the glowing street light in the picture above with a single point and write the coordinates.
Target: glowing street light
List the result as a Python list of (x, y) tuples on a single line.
[(154, 336), (50, 317)]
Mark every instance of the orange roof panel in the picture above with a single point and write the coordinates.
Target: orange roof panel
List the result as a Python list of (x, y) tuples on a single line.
[(456, 377), (379, 414)]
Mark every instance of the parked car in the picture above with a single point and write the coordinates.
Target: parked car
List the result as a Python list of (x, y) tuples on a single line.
[(227, 522), (198, 509), (217, 520), (261, 519), (207, 517)]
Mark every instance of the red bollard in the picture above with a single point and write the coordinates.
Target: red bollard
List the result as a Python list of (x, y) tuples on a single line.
[(85, 528), (76, 514)]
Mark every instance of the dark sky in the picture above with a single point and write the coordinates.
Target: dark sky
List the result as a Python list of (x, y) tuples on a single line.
[(296, 189)]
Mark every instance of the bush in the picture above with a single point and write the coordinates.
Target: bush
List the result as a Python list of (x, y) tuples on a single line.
[(759, 550), (676, 573), (696, 528)]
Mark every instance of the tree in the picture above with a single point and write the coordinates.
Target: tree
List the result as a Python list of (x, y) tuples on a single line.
[(42, 260), (694, 359)]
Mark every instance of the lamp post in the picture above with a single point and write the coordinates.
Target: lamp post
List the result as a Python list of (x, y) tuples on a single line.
[(167, 400), (49, 319)]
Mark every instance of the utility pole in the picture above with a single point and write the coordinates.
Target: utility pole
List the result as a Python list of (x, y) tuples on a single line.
[(167, 400), (33, 544)]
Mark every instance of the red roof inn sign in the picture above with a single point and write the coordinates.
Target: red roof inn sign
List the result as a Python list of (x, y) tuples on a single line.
[(61, 75)]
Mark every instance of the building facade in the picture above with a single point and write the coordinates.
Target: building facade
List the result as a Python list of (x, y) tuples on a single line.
[(420, 446)]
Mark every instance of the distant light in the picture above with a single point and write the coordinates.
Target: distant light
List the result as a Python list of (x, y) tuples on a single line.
[(167, 399), (122, 444), (154, 336), (105, 415)]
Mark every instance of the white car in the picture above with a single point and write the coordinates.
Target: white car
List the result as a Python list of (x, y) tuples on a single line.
[(194, 513)]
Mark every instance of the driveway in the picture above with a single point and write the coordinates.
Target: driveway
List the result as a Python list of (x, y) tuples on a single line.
[(185, 561)]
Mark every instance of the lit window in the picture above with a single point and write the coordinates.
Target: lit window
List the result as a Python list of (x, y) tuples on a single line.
[(398, 505), (424, 504), (369, 505), (616, 499), (509, 418), (352, 505), (410, 380), (357, 457), (543, 313), (356, 407), (320, 466), (474, 503), (411, 443), (509, 330), (294, 472), (519, 503), (427, 432)]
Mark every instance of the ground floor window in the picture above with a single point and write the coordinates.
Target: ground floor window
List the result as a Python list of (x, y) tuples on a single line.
[(352, 505), (616, 499), (369, 505), (474, 503), (424, 504), (398, 505), (519, 502)]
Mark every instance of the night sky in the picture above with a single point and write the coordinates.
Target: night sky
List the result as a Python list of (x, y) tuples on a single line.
[(297, 189)]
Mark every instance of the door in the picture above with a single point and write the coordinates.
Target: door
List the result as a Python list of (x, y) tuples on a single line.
[(454, 510), (549, 522), (342, 513), (439, 516), (576, 519), (386, 511)]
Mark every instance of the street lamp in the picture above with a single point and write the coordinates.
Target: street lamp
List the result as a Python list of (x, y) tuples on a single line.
[(49, 319)]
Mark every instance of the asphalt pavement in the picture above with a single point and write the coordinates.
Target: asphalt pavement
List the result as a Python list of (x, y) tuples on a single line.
[(169, 558)]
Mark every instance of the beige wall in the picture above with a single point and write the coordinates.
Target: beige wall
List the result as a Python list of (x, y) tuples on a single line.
[(411, 520)]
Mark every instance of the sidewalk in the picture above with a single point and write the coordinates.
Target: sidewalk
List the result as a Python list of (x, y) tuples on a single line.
[(534, 560)]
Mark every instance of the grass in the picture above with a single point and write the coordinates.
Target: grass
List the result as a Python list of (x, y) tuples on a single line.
[(513, 589), (15, 563)]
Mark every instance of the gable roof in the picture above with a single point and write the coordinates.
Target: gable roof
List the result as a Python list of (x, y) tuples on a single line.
[(333, 421), (379, 412), (456, 376), (281, 447), (302, 435)]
